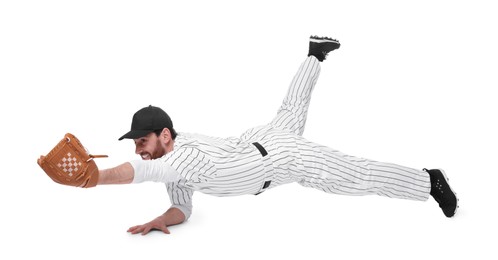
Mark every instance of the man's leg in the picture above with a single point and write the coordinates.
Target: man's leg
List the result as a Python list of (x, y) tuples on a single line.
[(292, 114), (294, 109), (334, 172)]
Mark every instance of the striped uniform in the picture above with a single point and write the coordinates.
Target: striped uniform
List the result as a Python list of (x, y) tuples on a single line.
[(234, 166)]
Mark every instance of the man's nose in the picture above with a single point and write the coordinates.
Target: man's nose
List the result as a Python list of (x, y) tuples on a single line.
[(138, 149)]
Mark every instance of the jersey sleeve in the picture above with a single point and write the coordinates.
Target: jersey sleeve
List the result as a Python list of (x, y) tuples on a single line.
[(176, 169), (161, 171), (183, 160), (180, 196), (153, 170)]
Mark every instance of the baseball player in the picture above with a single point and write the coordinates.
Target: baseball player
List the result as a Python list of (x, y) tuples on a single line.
[(262, 158)]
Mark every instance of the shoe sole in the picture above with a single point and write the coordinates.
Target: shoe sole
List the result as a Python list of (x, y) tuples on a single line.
[(454, 193), (323, 40)]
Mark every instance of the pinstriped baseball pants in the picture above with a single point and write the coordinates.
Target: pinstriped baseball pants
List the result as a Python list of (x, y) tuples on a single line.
[(320, 167)]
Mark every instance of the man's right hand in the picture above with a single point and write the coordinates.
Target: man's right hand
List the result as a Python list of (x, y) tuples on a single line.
[(171, 217), (157, 224)]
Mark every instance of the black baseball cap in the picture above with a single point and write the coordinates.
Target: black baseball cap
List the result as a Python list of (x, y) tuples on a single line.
[(147, 120)]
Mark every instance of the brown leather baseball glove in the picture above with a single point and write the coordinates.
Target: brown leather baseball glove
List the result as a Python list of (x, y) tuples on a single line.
[(69, 163)]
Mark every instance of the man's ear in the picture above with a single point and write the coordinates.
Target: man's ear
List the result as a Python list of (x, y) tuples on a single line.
[(166, 134), (167, 140)]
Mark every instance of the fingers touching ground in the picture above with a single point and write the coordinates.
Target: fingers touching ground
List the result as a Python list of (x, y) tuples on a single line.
[(146, 228)]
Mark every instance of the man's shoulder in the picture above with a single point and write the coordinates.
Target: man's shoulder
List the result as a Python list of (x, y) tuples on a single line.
[(192, 139)]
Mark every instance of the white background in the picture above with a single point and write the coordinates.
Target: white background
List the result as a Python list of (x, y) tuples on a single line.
[(413, 84)]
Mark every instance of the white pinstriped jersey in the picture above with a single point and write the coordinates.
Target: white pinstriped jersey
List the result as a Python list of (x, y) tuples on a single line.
[(234, 166)]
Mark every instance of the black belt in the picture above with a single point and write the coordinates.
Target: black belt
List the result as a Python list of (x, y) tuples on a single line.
[(263, 153), (260, 148)]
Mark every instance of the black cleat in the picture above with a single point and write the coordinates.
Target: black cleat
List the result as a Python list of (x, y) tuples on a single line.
[(442, 192), (321, 46)]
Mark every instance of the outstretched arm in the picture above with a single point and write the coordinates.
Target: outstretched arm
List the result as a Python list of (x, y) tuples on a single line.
[(122, 174), (139, 171)]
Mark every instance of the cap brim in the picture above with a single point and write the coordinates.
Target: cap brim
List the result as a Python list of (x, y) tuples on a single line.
[(135, 134)]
